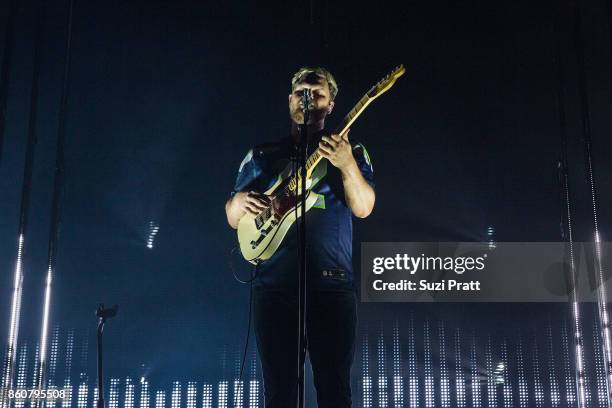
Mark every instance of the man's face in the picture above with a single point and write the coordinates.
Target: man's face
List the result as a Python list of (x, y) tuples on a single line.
[(320, 99)]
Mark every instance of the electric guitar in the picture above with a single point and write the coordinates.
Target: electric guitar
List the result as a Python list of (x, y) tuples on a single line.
[(260, 236)]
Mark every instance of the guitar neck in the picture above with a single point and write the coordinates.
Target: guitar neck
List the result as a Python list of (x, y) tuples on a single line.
[(348, 120)]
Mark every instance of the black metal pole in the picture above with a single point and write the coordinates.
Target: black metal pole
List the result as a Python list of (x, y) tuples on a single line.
[(9, 43), (303, 156), (102, 314)]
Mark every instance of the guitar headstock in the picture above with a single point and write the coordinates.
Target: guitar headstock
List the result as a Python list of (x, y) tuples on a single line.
[(387, 82)]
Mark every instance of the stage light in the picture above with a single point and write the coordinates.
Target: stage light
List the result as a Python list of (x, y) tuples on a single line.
[(506, 387), (444, 380), (129, 393), (555, 395), (152, 232), (160, 399), (491, 386), (223, 391), (382, 377), (523, 391), (491, 237), (459, 378), (476, 395), (253, 394), (498, 374), (191, 394), (412, 368), (113, 393), (398, 382), (537, 381), (366, 380), (144, 393), (67, 400), (207, 396), (238, 394), (175, 399), (82, 396), (21, 374), (14, 321), (429, 379), (94, 403)]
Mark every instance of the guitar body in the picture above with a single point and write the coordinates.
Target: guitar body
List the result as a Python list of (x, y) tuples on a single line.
[(259, 237)]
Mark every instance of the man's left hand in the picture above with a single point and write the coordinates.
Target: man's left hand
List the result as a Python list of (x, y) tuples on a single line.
[(337, 149)]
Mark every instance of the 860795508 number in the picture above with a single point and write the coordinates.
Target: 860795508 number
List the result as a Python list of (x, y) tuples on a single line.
[(35, 393)]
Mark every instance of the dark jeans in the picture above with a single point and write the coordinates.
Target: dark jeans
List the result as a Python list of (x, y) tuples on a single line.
[(330, 329)]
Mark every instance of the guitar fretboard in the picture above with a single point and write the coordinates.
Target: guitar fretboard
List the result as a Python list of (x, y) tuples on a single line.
[(348, 120)]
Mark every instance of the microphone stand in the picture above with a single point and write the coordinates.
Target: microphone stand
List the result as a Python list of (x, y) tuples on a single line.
[(302, 157), (102, 314)]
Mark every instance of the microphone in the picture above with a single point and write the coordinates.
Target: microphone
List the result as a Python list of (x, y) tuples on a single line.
[(306, 103)]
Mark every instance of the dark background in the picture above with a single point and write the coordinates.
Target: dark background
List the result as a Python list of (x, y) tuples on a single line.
[(165, 99)]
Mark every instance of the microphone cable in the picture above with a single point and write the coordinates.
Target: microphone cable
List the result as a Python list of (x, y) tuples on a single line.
[(254, 273)]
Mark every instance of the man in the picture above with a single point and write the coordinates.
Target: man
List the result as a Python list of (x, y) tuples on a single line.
[(344, 187)]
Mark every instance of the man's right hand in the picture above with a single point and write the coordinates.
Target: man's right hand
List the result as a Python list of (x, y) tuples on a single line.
[(250, 202)]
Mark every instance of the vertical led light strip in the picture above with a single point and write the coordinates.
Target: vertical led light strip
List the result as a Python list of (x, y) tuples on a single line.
[(600, 369), (11, 355), (113, 393), (67, 401), (53, 358), (144, 393), (365, 364), (238, 393), (398, 382), (602, 299), (580, 375), (94, 402), (567, 219), (570, 380), (22, 369), (82, 396), (459, 377), (537, 381), (223, 397), (41, 367), (602, 304), (383, 398), (430, 399), (56, 203), (507, 387), (413, 373), (523, 391), (444, 379), (555, 396), (253, 383), (207, 396), (175, 399), (491, 391), (152, 232), (160, 399), (35, 371), (476, 395), (192, 392), (129, 393)]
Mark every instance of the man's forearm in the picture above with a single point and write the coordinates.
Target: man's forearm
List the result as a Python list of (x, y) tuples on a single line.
[(360, 196)]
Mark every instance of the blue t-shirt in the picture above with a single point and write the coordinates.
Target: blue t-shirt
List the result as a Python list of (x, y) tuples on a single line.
[(329, 225)]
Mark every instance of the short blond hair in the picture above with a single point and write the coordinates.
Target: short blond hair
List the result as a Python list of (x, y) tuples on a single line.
[(321, 72)]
